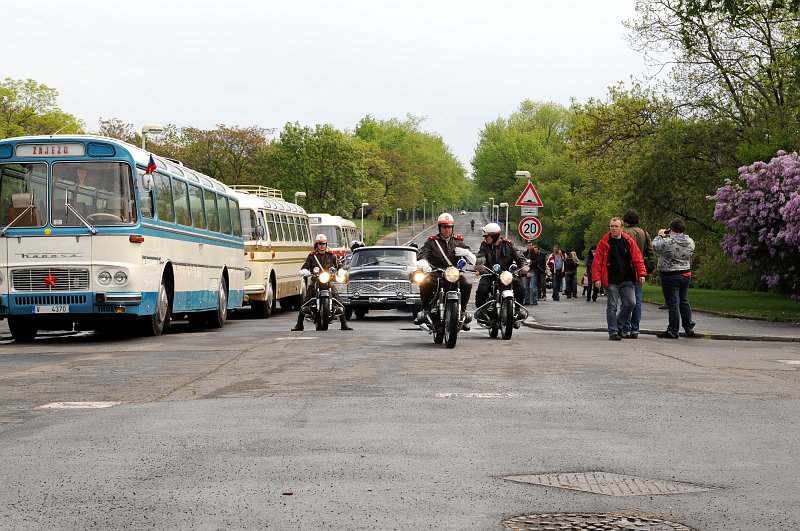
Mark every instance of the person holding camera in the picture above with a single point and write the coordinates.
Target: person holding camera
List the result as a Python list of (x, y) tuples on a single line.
[(675, 251)]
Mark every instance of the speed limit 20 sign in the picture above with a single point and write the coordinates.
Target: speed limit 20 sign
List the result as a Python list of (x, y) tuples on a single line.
[(530, 228)]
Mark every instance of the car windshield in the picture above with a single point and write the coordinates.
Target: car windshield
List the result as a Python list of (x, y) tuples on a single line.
[(383, 257)]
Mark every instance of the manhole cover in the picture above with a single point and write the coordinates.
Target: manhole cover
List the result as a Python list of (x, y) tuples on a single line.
[(610, 484), (600, 521)]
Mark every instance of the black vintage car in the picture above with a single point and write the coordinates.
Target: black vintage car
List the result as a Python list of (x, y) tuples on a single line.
[(380, 278)]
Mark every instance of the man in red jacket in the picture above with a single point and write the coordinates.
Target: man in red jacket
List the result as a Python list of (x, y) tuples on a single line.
[(618, 265)]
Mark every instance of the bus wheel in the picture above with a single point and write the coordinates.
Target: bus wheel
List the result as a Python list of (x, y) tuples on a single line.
[(22, 330), (217, 318), (263, 309), (154, 325)]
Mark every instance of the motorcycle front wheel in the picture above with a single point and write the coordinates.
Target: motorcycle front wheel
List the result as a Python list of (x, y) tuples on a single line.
[(507, 318), (324, 313), (451, 323)]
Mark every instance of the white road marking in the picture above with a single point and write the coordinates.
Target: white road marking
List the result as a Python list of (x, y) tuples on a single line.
[(479, 395), (77, 405), (790, 362)]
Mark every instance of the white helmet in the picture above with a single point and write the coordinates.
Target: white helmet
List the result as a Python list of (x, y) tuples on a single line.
[(321, 238), (446, 219), (490, 228)]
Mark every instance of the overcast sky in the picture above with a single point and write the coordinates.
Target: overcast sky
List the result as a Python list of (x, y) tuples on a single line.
[(459, 63)]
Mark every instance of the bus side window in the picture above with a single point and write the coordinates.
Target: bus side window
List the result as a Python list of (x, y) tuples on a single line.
[(181, 196), (196, 205), (164, 205), (145, 197), (237, 221), (224, 215), (211, 210), (273, 229)]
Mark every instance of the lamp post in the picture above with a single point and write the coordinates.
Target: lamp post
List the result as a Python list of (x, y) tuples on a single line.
[(433, 211), (413, 220), (397, 234), (491, 214), (505, 205), (362, 220), (151, 128), (424, 204), (298, 195), (496, 213)]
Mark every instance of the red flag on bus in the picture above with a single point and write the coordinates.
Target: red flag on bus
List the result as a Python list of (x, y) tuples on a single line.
[(151, 166)]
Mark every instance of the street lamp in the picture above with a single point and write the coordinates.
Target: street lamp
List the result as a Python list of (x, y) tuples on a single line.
[(298, 195), (397, 234), (496, 213), (362, 220), (424, 204), (491, 214), (505, 205), (151, 128), (413, 220), (433, 211)]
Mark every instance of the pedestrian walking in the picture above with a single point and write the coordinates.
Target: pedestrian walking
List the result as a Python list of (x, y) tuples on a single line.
[(571, 275), (555, 264), (618, 265), (631, 228), (591, 293)]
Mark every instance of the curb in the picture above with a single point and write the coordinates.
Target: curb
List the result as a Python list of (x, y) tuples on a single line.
[(531, 323)]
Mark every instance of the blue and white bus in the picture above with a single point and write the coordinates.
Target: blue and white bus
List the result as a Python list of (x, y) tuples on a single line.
[(89, 238)]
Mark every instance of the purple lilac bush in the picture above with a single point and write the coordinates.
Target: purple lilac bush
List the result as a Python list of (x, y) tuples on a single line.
[(764, 214)]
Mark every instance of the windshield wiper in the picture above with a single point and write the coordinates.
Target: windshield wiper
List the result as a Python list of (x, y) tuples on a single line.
[(78, 215), (27, 209)]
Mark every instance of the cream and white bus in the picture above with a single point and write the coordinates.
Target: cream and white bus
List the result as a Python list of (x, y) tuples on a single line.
[(340, 231), (277, 241), (95, 232)]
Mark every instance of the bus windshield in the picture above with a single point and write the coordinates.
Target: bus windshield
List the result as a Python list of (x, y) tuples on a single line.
[(334, 235), (23, 194), (100, 192)]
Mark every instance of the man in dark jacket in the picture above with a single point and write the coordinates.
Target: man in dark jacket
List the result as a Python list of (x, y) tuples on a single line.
[(497, 250), (323, 259), (618, 266), (441, 251), (642, 239)]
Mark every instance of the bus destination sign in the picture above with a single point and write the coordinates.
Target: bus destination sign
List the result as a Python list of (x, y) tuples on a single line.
[(51, 150)]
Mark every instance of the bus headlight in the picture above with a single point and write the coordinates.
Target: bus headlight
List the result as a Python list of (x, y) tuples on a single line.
[(104, 278), (120, 278), (247, 273), (506, 277), (451, 274)]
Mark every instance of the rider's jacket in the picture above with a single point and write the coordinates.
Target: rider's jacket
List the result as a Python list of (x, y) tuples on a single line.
[(436, 256), (327, 259), (504, 254)]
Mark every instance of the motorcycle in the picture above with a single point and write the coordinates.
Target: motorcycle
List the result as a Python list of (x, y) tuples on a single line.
[(501, 313), (323, 308), (444, 317)]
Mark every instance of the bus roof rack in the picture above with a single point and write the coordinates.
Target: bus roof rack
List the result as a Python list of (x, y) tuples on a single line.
[(264, 192)]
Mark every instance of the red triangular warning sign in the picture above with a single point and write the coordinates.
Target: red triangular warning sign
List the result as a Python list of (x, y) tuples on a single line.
[(529, 197)]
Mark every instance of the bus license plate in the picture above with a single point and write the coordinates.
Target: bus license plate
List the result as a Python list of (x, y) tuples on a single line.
[(60, 308)]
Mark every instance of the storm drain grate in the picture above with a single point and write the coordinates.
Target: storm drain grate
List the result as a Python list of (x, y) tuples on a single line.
[(600, 521), (610, 484)]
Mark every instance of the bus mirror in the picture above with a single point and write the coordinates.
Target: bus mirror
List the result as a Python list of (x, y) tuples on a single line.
[(147, 182), (259, 232)]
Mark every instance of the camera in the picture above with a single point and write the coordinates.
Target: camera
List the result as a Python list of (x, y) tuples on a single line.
[(667, 232)]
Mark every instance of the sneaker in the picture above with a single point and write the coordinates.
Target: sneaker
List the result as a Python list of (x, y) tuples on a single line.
[(667, 334), (615, 337), (662, 307), (625, 335)]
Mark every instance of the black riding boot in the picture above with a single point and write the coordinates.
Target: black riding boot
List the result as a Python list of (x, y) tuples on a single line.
[(299, 326), (343, 320)]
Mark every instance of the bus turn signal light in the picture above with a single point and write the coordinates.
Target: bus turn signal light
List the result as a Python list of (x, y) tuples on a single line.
[(136, 238)]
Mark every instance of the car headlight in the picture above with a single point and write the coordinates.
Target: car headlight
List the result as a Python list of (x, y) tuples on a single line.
[(341, 276), (451, 274), (506, 277), (104, 278), (120, 278), (324, 277)]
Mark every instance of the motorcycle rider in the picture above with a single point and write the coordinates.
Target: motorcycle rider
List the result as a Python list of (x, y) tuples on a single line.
[(440, 251), (324, 259), (497, 250)]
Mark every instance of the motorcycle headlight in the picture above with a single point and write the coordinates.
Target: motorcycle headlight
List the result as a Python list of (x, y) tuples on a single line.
[(104, 278), (418, 276), (341, 276), (451, 274), (506, 277), (324, 277)]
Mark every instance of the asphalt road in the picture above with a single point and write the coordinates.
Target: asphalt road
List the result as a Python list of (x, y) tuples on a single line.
[(254, 426)]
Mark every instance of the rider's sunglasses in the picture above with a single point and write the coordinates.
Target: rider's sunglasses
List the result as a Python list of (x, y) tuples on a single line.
[(446, 226)]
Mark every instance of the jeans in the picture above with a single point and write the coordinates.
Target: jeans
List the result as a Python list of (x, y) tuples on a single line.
[(531, 290), (558, 278), (571, 285), (620, 301), (676, 296), (636, 316)]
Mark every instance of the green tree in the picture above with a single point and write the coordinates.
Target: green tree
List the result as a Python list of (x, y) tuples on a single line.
[(30, 108)]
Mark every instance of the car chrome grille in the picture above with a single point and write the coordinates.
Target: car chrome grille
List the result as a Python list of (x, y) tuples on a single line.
[(60, 279), (380, 288)]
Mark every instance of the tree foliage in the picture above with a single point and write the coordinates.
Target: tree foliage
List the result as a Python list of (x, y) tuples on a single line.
[(763, 210), (30, 108)]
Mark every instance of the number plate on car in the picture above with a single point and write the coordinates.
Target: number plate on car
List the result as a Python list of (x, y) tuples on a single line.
[(59, 308), (378, 299)]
